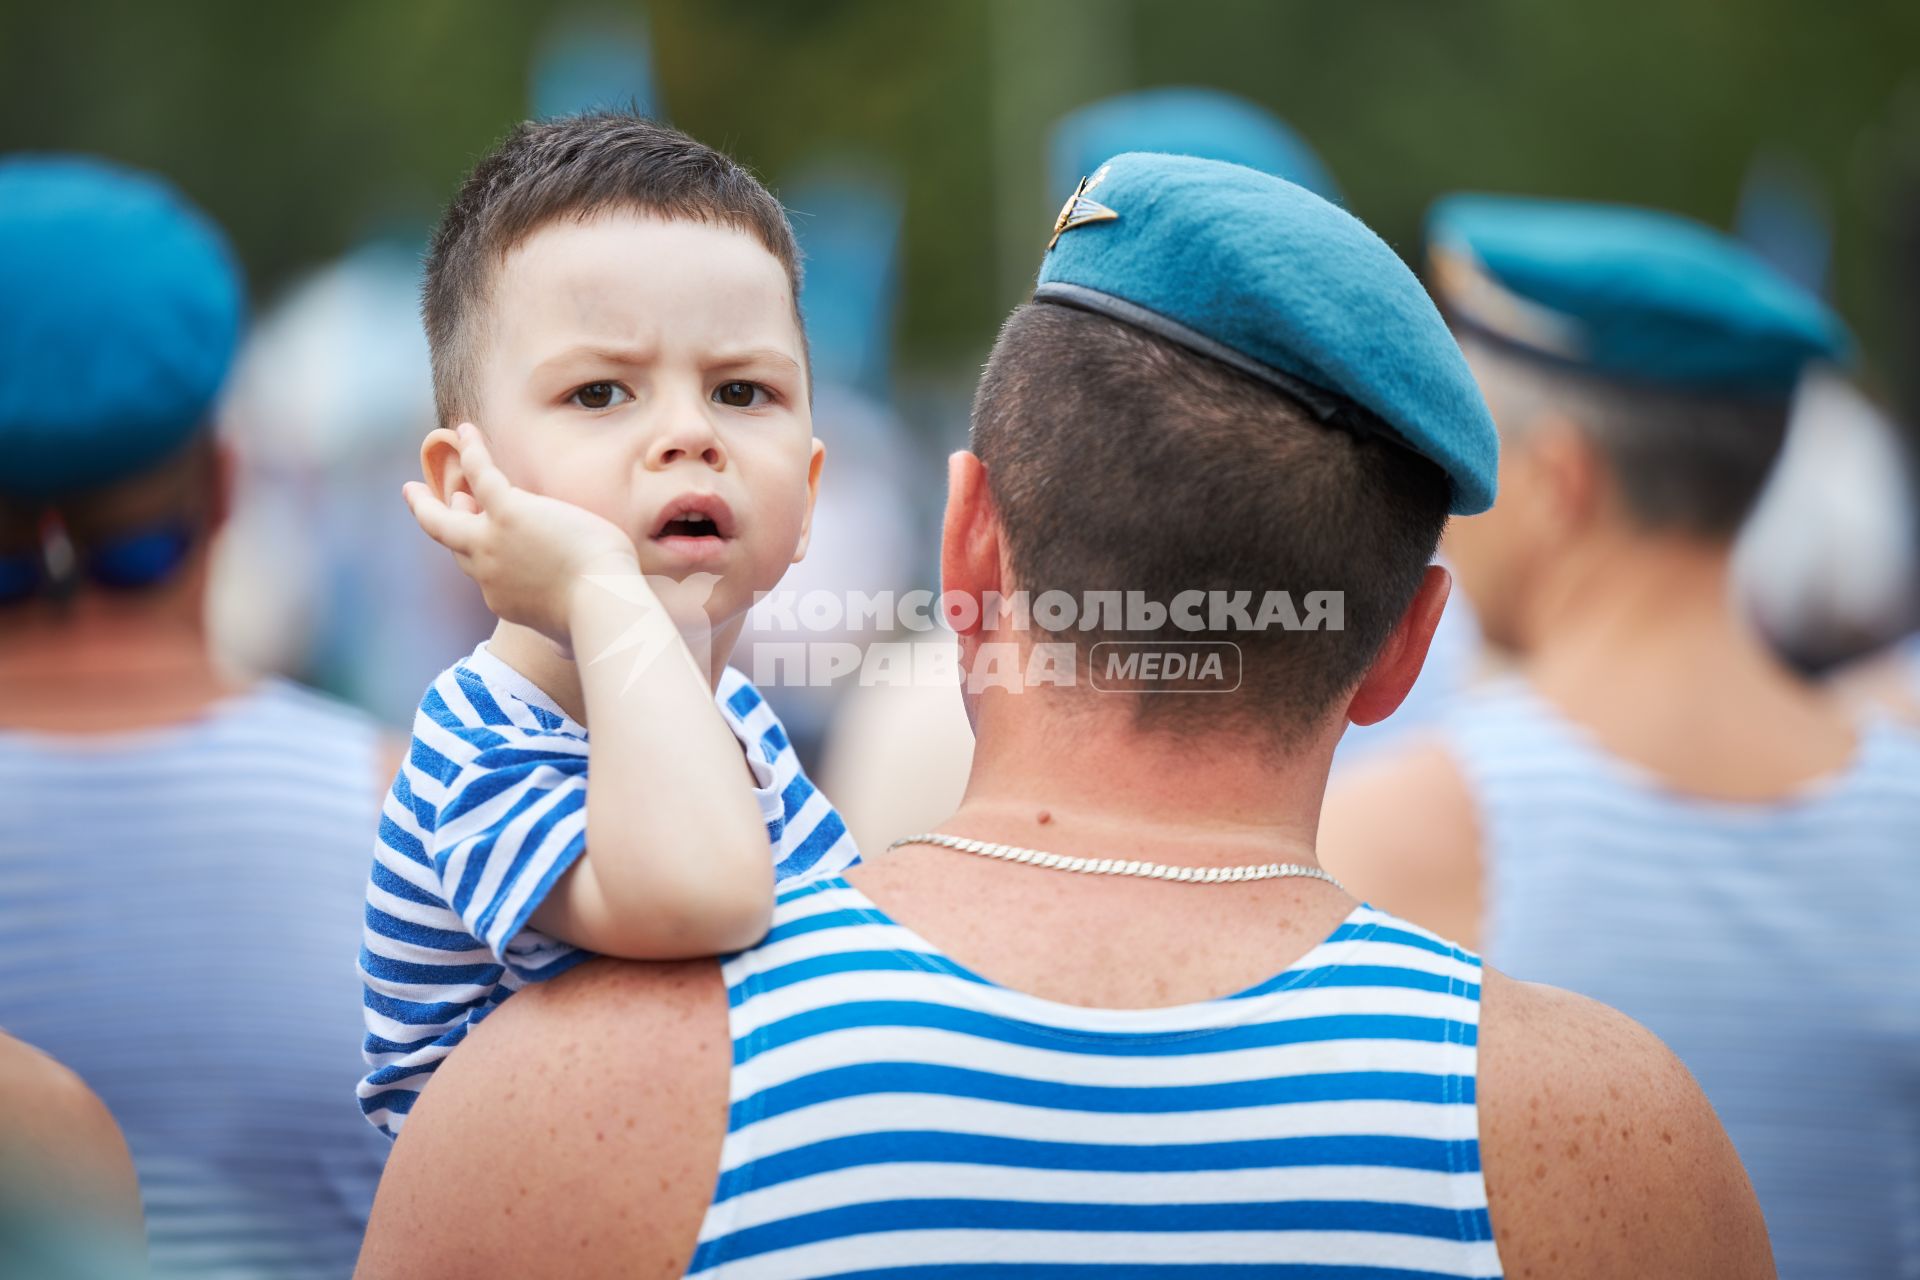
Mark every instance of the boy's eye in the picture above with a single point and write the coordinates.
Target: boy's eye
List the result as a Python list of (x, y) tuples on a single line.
[(740, 395), (600, 395)]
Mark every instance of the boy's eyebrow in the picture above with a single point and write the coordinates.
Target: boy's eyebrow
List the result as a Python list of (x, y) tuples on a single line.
[(757, 355), (640, 355), (587, 351)]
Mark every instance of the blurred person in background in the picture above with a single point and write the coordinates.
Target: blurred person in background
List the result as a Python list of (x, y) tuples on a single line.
[(325, 410), (1828, 564), (69, 1199), (1660, 814), (182, 854)]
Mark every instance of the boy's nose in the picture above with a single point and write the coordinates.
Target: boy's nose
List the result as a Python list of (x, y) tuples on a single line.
[(689, 434)]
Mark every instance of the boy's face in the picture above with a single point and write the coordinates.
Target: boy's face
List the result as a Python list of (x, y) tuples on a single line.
[(652, 372)]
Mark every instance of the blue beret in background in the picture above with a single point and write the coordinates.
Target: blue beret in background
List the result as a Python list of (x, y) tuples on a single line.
[(120, 307), (1634, 294), (602, 63), (1265, 276), (847, 219), (1204, 123)]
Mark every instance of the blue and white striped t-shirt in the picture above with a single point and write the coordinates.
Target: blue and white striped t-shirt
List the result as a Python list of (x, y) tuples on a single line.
[(892, 1114), (176, 908), (488, 811), (1774, 947)]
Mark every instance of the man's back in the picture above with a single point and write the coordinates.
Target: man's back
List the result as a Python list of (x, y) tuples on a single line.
[(887, 1105), (180, 913), (1767, 943)]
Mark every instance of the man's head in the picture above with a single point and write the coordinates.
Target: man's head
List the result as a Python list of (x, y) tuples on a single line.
[(613, 304), (1119, 461), (120, 310), (1640, 368), (1229, 391), (1585, 459)]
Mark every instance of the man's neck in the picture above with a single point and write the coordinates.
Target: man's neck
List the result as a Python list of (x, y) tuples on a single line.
[(105, 666), (1642, 641), (1086, 780), (558, 675)]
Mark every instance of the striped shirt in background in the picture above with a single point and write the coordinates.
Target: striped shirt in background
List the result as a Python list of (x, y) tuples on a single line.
[(489, 810), (1774, 947), (176, 906), (892, 1111)]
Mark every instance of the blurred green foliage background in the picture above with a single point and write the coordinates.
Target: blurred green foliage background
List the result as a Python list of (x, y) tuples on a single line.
[(306, 127)]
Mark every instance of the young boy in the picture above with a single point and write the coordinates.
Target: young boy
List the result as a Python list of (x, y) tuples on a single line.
[(612, 313)]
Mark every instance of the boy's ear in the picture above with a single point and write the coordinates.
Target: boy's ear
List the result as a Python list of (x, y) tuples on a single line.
[(813, 494), (440, 465), (1398, 663)]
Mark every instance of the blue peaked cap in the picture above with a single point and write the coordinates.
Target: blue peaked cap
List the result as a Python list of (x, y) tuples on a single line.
[(1269, 278), (1633, 294), (120, 309), (1204, 123)]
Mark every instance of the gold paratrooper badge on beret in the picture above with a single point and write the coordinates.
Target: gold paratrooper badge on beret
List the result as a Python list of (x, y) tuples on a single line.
[(1078, 211)]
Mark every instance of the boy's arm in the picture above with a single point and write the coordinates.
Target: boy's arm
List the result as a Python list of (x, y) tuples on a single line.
[(676, 860)]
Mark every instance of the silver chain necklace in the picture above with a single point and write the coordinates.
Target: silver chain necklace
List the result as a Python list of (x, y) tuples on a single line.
[(1120, 866)]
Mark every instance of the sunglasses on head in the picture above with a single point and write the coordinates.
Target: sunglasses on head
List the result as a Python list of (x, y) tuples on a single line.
[(126, 562)]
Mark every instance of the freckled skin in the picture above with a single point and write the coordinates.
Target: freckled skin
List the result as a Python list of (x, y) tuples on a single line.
[(1592, 1081)]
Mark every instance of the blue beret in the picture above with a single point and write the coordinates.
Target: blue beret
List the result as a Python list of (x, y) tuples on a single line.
[(1633, 294), (1205, 123), (1271, 279), (120, 307)]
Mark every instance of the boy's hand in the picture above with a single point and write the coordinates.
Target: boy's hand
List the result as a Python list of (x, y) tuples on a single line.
[(525, 550)]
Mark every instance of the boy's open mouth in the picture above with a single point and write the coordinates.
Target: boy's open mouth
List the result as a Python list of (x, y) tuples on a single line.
[(697, 516)]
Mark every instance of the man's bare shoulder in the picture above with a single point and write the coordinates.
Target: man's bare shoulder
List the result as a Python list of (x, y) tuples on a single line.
[(60, 1147), (576, 1131), (1602, 1156), (1400, 831)]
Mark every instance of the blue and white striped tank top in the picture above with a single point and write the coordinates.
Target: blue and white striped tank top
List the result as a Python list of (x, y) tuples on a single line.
[(893, 1113), (1774, 947), (178, 912)]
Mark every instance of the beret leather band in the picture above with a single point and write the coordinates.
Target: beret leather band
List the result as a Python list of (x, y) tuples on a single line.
[(1326, 407)]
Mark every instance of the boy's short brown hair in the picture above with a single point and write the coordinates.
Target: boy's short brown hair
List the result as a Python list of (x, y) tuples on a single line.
[(575, 167)]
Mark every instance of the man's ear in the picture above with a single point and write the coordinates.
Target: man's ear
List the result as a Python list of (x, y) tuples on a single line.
[(970, 548), (440, 465), (1398, 663), (813, 496), (1564, 463)]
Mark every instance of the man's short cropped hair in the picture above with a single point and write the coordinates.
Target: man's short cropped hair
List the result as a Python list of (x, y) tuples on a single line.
[(1120, 461), (574, 167), (1684, 461)]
